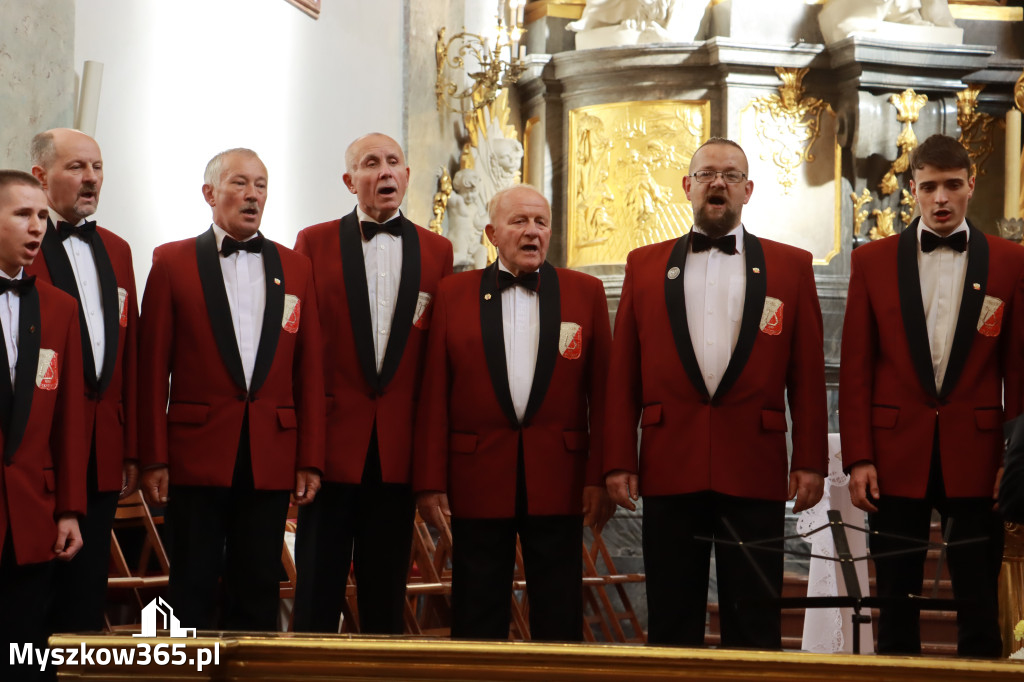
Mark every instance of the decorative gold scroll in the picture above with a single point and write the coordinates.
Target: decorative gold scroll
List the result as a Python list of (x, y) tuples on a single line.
[(860, 214), (626, 164), (444, 185), (976, 128), (788, 125), (908, 107)]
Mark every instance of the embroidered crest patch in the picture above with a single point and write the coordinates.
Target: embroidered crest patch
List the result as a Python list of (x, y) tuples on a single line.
[(421, 316), (771, 316), (990, 322), (292, 310), (47, 377), (122, 297), (570, 341)]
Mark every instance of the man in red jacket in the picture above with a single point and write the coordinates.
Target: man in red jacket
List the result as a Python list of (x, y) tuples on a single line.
[(931, 345), (715, 332), (376, 274), (508, 428), (95, 266), (230, 318), (42, 478)]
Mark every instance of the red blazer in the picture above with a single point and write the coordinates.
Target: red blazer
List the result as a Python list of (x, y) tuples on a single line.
[(735, 441), (888, 405), (186, 335), (110, 400), (45, 456), (356, 395), (467, 432)]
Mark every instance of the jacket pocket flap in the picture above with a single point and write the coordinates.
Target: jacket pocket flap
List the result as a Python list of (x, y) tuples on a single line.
[(50, 480), (461, 442), (988, 418), (188, 413), (884, 417), (576, 440), (286, 417), (773, 420), (651, 415)]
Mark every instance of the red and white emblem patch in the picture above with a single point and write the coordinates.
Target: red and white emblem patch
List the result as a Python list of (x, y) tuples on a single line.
[(570, 341), (421, 316), (771, 316), (122, 297), (292, 311), (990, 322), (46, 370)]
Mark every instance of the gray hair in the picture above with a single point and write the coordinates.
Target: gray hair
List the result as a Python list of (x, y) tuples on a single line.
[(492, 204), (216, 165), (44, 151)]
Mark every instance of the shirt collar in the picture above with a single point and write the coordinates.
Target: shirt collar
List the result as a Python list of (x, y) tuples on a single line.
[(57, 217), (219, 234), (738, 231), (21, 273), (363, 218)]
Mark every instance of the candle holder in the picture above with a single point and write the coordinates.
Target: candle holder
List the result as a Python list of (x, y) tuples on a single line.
[(481, 57), (1011, 229)]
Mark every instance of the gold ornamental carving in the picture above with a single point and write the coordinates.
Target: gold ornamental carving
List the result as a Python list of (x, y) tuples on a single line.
[(976, 128), (860, 214), (626, 164), (788, 124), (908, 107), (885, 220), (444, 190), (1018, 93)]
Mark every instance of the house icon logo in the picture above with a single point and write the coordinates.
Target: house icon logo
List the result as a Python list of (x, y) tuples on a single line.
[(158, 614)]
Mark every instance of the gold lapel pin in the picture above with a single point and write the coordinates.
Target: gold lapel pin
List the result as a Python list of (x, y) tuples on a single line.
[(757, 271), (977, 287), (487, 297), (277, 281), (32, 329)]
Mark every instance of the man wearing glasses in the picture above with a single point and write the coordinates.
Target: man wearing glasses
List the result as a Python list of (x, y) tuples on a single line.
[(714, 332)]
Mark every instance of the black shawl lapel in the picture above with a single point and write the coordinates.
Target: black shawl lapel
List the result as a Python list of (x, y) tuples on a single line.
[(753, 308), (6, 398), (29, 332), (273, 315), (405, 305), (212, 279), (492, 330), (63, 277), (547, 346), (975, 279), (111, 310), (353, 269), (908, 278), (675, 301)]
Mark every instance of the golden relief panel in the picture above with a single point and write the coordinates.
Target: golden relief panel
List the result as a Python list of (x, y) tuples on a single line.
[(626, 166)]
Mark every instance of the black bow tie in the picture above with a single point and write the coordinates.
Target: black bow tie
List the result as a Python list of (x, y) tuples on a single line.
[(702, 242), (370, 230), (931, 241), (65, 230), (230, 246), (527, 280), (19, 286)]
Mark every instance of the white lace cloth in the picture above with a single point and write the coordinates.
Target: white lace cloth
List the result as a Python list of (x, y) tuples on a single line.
[(830, 630)]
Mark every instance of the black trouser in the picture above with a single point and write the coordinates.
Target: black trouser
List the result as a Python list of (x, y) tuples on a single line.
[(25, 597), (483, 567), (375, 518), (677, 566), (81, 584), (236, 532), (973, 567)]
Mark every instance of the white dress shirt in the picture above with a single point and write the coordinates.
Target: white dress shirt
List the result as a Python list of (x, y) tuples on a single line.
[(87, 275), (714, 285), (245, 284), (520, 321), (942, 286), (10, 316), (382, 258)]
